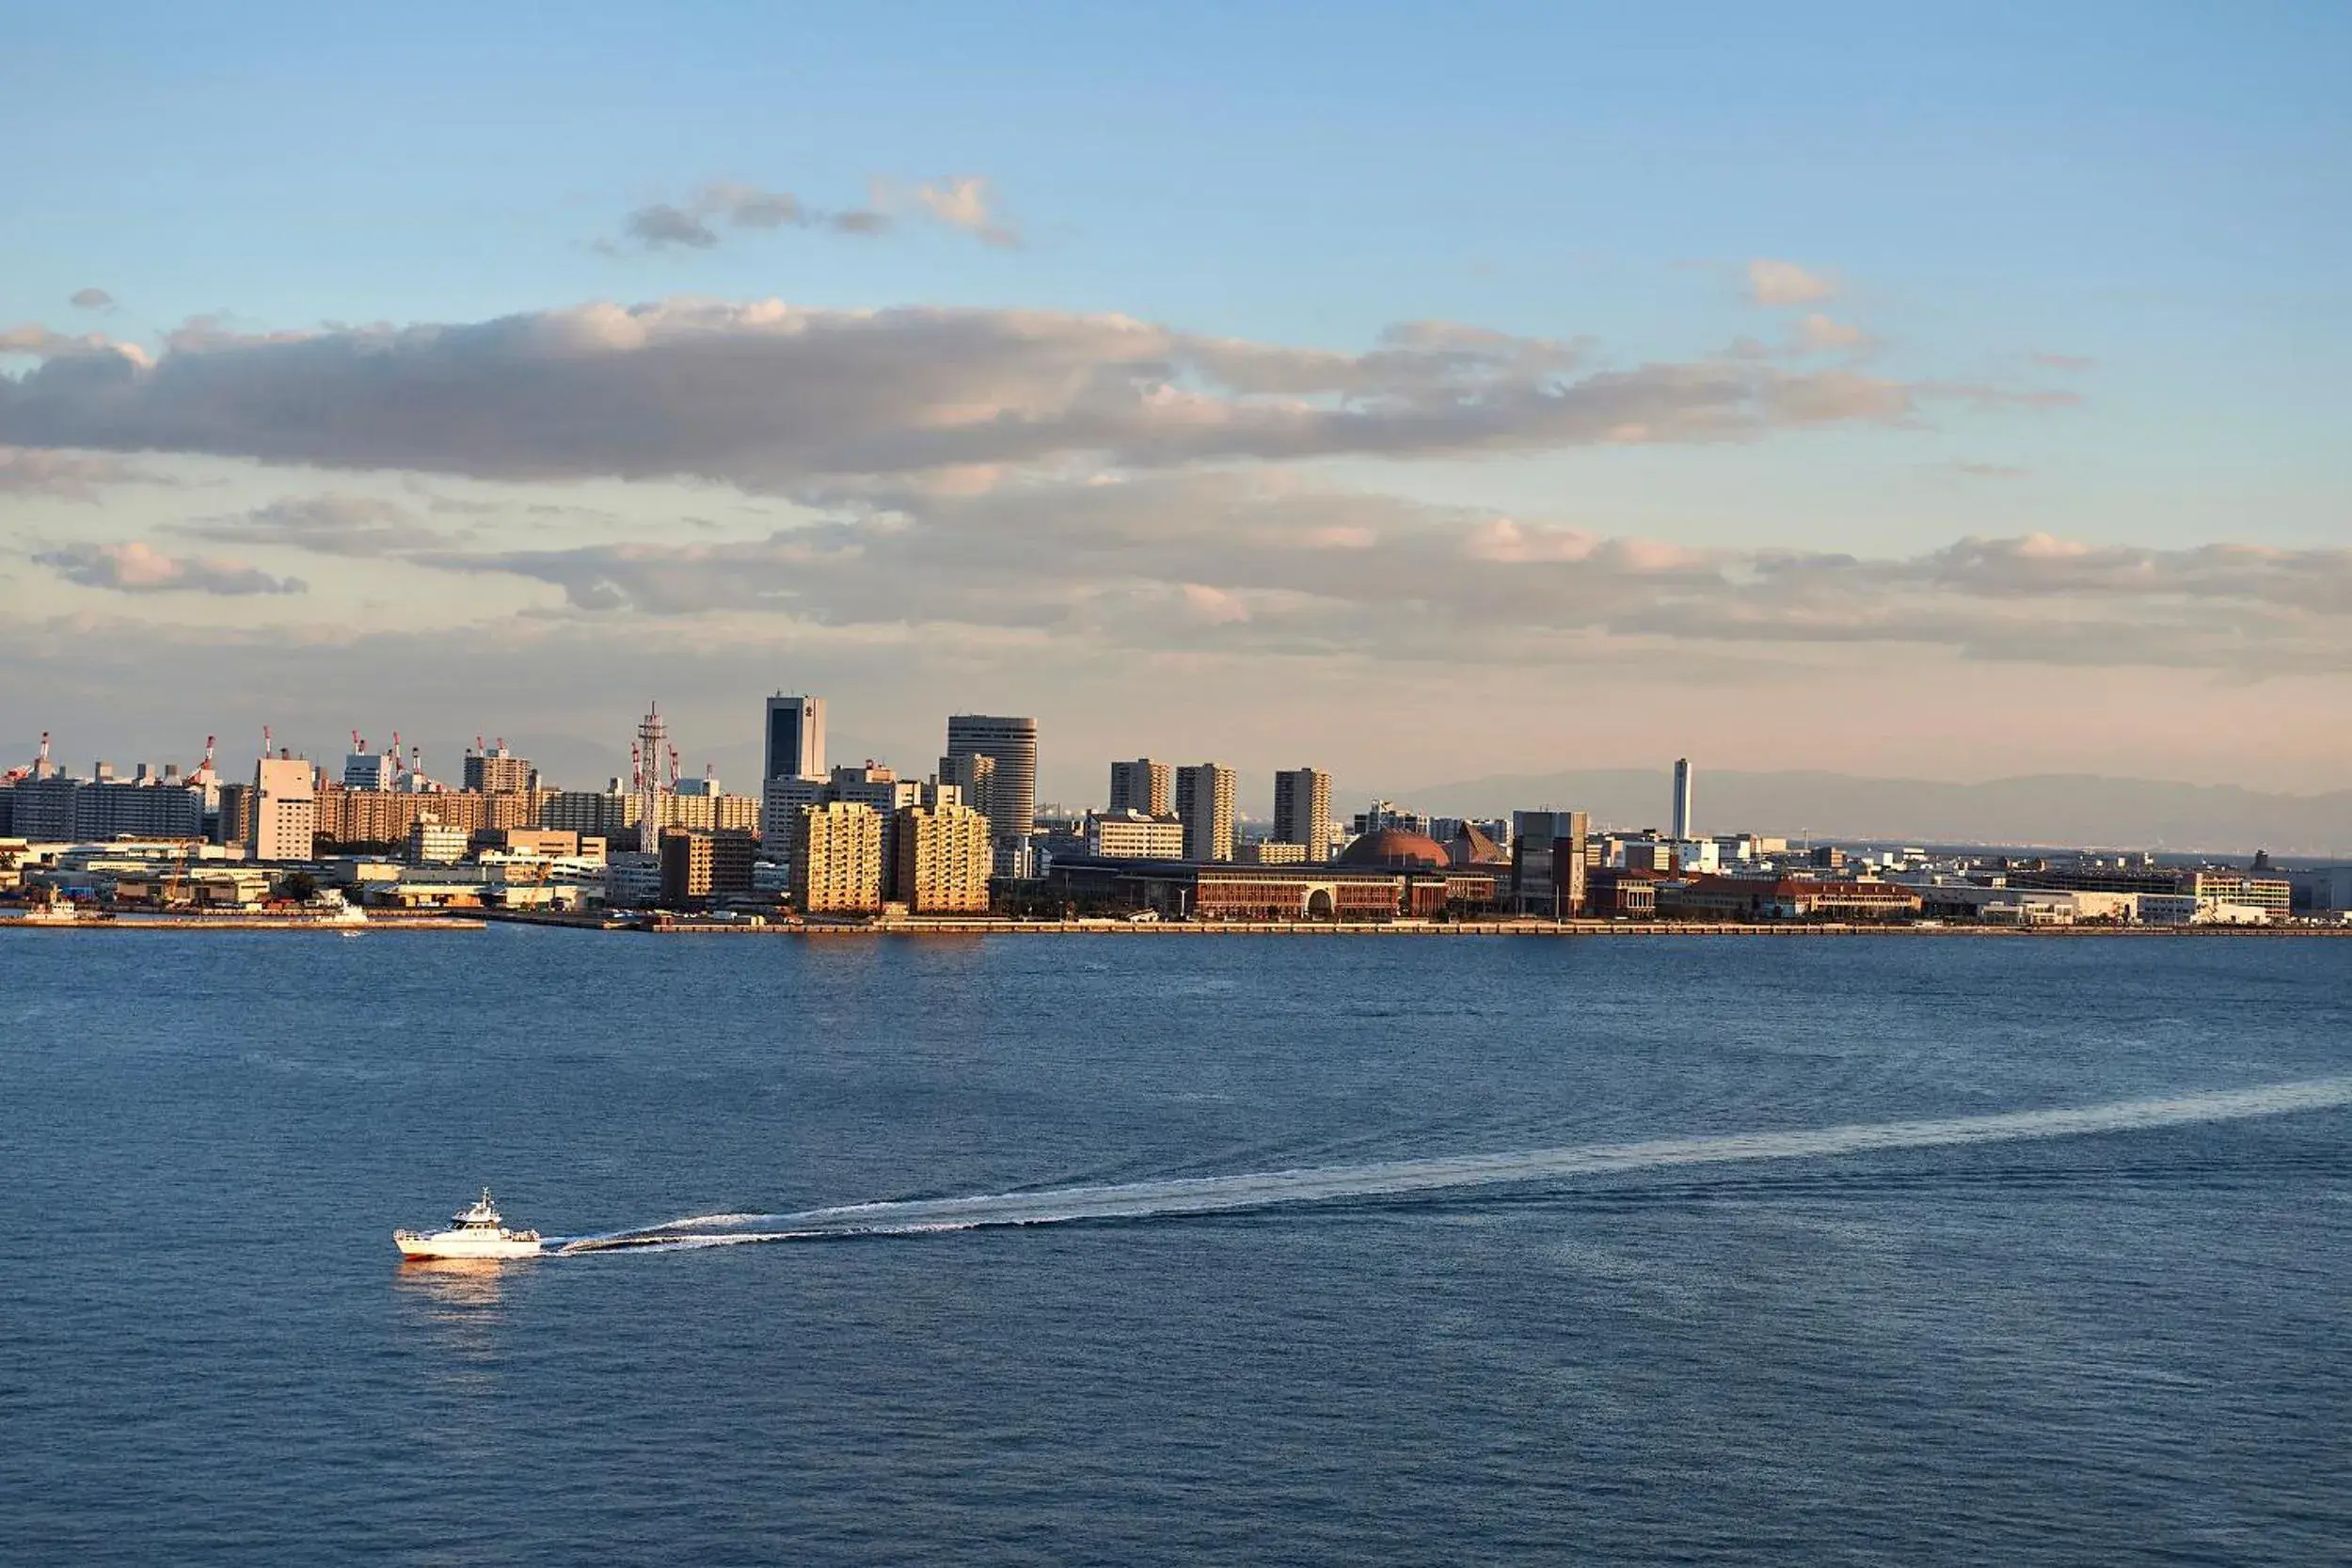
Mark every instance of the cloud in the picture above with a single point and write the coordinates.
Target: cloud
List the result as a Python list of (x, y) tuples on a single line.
[(1215, 560), (324, 525), (1779, 284), (135, 568), (661, 224), (967, 203), (695, 225), (92, 299), (68, 475), (36, 341), (1987, 471), (2073, 363), (770, 396), (1816, 333)]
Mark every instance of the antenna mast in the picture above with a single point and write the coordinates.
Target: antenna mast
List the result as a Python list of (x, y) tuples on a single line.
[(653, 738)]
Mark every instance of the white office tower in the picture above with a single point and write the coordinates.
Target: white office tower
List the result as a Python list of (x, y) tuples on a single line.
[(796, 738), (285, 809), (1683, 798), (1012, 787), (366, 769)]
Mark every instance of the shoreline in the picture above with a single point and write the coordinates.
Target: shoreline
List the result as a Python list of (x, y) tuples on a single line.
[(246, 923), (950, 926)]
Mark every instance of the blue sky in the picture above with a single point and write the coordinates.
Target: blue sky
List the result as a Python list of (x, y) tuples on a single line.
[(2157, 191)]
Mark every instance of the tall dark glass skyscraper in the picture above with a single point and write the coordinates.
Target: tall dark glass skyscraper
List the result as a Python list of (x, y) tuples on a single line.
[(796, 738)]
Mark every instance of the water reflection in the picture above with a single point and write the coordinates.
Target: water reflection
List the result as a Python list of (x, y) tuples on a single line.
[(460, 1300)]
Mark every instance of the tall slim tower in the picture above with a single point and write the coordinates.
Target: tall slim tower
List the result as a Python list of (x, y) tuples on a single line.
[(1302, 810), (1012, 791), (652, 746), (1682, 798), (796, 738)]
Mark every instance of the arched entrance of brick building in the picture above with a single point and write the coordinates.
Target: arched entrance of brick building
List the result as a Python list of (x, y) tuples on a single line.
[(1319, 905)]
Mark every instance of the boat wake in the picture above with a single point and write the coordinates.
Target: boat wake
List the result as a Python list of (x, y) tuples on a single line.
[(1215, 1195)]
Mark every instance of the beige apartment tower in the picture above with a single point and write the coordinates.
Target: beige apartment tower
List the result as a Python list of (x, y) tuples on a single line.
[(973, 775), (1142, 786), (837, 859), (1302, 810), (943, 860), (1204, 801)]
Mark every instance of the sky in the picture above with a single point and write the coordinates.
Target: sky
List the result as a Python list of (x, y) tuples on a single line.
[(1421, 392)]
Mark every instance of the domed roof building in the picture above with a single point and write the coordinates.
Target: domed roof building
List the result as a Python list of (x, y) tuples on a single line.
[(1397, 849)]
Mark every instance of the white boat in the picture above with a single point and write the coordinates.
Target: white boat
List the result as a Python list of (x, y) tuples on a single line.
[(474, 1233)]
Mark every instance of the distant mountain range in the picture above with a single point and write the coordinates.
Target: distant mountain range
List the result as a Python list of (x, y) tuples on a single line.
[(2086, 810)]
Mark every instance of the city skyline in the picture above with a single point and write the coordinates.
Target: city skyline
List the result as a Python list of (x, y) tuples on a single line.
[(1775, 425)]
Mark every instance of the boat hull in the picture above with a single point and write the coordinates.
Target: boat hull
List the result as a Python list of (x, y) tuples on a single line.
[(414, 1245)]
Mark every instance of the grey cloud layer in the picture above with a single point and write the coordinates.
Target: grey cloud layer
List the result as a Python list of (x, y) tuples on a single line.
[(769, 396), (1218, 560), (135, 568), (68, 475), (324, 523)]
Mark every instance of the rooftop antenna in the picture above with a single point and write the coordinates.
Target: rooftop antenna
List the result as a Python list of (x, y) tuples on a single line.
[(44, 760), (265, 739), (358, 747), (479, 748)]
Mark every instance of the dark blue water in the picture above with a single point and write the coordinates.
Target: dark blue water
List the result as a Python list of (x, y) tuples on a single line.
[(2122, 1347)]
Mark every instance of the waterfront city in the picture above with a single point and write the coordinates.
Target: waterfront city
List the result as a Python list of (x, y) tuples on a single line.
[(962, 842)]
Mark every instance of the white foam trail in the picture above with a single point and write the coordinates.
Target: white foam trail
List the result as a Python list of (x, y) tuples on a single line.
[(1390, 1177)]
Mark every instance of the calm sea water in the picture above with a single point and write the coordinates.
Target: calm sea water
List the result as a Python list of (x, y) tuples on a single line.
[(2116, 1347)]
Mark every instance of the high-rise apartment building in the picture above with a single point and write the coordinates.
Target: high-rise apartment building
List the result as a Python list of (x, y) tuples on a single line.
[(837, 859), (1011, 743), (943, 860), (1682, 798), (698, 868), (233, 819), (499, 771), (1204, 803), (1302, 810), (796, 738), (1142, 786), (285, 809), (881, 788), (42, 808), (973, 775), (143, 809)]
